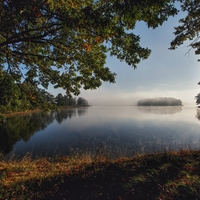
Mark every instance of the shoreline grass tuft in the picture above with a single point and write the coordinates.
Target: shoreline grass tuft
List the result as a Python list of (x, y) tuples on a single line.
[(167, 175)]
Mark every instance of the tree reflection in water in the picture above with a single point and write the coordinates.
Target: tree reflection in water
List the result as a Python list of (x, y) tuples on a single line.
[(198, 114), (161, 110), (17, 128), (109, 131)]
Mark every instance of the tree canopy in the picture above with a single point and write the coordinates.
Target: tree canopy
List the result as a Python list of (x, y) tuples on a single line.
[(65, 42), (189, 27), (13, 99), (189, 30)]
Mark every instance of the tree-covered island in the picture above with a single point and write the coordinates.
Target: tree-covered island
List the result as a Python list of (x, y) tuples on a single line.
[(160, 101)]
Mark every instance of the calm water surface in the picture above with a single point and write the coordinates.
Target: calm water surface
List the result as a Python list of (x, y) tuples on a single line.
[(114, 131)]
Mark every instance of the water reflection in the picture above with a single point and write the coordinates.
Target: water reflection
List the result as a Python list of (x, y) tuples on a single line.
[(17, 128), (164, 110), (64, 115), (21, 127), (82, 111), (113, 131), (198, 114)]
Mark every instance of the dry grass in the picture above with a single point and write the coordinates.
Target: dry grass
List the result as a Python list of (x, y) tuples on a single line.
[(168, 175)]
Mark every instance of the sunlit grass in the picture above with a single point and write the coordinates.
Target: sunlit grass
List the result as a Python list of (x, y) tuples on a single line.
[(83, 175)]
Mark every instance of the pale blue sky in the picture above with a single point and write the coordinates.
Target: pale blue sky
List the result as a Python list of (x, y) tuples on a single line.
[(165, 73)]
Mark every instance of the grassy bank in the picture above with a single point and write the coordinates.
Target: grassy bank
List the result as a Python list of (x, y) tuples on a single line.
[(25, 112), (168, 175)]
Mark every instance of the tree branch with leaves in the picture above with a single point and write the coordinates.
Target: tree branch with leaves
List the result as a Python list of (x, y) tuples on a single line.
[(65, 42)]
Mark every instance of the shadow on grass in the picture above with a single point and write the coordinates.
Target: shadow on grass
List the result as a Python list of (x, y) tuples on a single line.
[(172, 175)]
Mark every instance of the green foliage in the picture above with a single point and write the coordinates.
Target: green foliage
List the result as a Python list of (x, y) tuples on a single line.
[(65, 42), (82, 102), (22, 96), (189, 28), (8, 92), (64, 100)]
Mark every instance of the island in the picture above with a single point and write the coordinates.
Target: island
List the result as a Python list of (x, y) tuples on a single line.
[(160, 101)]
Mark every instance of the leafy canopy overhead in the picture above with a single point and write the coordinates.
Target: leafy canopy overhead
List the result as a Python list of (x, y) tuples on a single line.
[(189, 27), (65, 42), (189, 30)]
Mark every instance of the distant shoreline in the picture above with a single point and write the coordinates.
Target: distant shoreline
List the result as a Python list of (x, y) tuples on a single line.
[(10, 114)]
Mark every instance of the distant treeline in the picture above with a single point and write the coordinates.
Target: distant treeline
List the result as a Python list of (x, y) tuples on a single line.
[(161, 101), (64, 100), (17, 96)]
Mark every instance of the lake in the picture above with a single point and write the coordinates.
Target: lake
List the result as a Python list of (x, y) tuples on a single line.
[(108, 130)]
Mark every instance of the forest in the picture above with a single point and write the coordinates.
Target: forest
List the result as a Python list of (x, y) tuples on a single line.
[(14, 98)]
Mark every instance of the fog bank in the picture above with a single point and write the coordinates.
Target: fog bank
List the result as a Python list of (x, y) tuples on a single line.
[(105, 97)]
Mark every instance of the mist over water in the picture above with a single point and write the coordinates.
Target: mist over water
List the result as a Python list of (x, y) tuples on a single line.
[(111, 95), (165, 110), (114, 131)]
